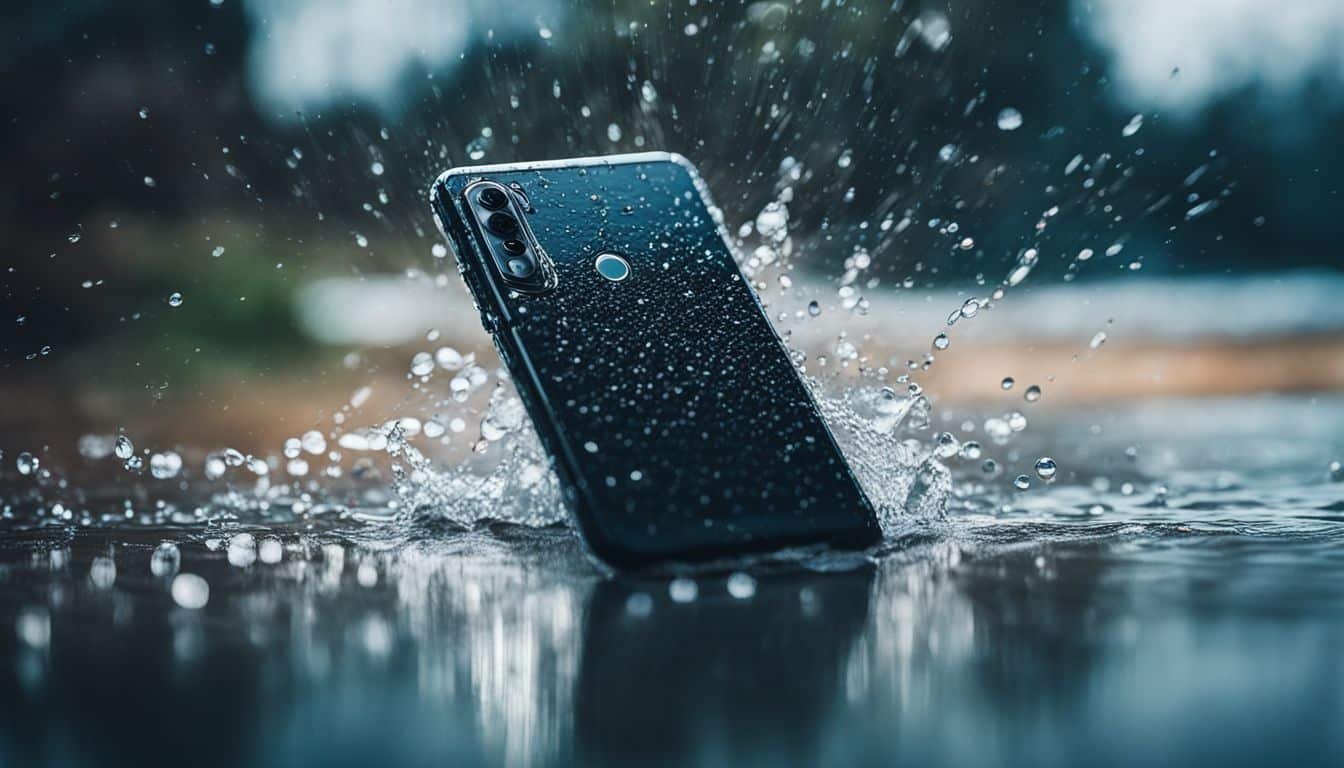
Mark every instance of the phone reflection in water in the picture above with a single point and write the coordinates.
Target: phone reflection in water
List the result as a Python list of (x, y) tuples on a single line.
[(747, 669)]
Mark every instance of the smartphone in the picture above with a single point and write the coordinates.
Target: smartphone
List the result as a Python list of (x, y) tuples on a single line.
[(676, 420)]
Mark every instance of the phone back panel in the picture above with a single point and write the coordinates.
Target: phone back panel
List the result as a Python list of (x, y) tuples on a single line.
[(679, 425)]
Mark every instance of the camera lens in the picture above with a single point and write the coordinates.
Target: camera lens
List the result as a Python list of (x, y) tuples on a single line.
[(502, 223), (520, 268), (493, 198), (515, 247)]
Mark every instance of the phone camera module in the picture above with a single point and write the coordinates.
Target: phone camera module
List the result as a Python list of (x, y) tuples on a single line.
[(492, 198), (502, 223), (514, 247), (520, 268)]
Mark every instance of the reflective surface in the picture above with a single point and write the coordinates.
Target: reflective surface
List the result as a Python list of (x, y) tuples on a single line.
[(1095, 621)]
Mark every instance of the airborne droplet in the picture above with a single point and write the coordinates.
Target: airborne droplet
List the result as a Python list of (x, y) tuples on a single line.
[(1045, 468)]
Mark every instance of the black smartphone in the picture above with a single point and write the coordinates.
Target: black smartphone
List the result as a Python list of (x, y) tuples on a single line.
[(678, 425)]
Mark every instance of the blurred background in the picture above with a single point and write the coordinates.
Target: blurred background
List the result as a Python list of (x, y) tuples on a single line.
[(216, 230), (1117, 219)]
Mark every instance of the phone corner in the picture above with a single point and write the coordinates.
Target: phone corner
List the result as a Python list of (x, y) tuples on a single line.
[(676, 158), (442, 186)]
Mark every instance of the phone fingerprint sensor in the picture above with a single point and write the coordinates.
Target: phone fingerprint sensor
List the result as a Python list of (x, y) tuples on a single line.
[(612, 266)]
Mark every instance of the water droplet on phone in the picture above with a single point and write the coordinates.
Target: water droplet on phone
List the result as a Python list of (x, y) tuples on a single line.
[(1009, 119)]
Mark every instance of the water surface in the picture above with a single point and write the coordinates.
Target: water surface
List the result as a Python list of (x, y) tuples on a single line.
[(1173, 597)]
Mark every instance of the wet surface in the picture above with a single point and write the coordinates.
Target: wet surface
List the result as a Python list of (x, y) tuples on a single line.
[(1174, 603)]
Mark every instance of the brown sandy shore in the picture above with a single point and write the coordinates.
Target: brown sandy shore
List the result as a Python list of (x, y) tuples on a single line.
[(51, 410)]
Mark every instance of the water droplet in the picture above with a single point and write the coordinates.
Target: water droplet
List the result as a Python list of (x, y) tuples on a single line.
[(1032, 394), (361, 241), (946, 445), (613, 132), (970, 450), (813, 308), (1007, 383), (449, 359), (966, 244), (1133, 126), (103, 572), (1016, 421), (144, 113), (1022, 482), (1097, 340), (682, 590), (217, 251), (1336, 472), (166, 465), (313, 442), (639, 605), (124, 448), (1009, 119), (27, 463), (367, 575), (422, 364), (477, 147), (1045, 468), (1201, 209), (166, 560), (438, 251), (590, 447), (242, 550), (941, 341), (1024, 266), (174, 299), (215, 467), (271, 551), (773, 222), (376, 168), (190, 591), (741, 586), (970, 308)]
